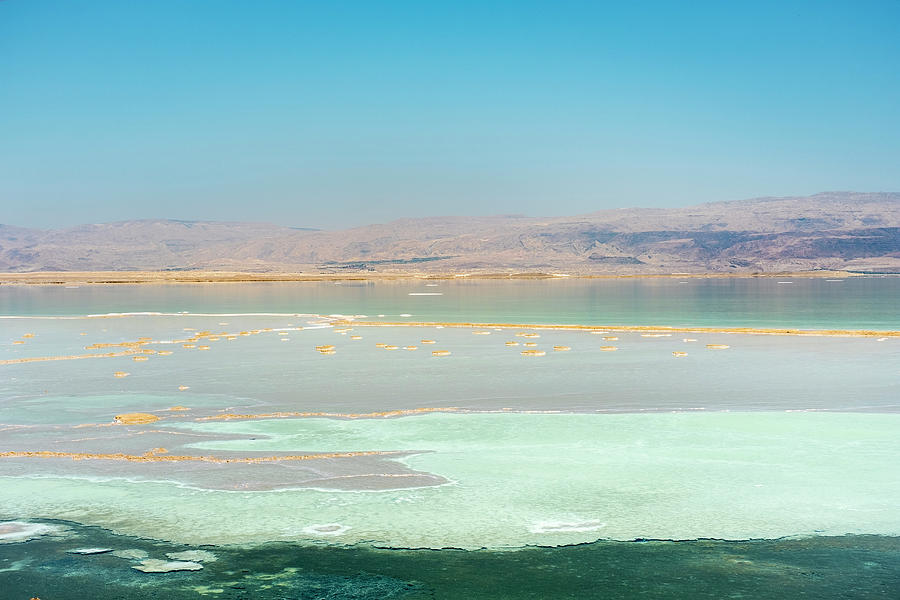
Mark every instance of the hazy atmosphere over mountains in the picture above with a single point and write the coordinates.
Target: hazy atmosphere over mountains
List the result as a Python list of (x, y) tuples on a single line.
[(833, 230)]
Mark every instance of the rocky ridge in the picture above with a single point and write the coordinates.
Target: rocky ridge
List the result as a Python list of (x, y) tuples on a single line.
[(834, 231)]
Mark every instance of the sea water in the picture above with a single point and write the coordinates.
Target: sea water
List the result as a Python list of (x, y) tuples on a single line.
[(866, 302), (773, 437)]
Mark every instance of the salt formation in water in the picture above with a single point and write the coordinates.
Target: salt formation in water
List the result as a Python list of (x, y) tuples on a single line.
[(566, 526), (12, 532), (89, 551), (200, 556), (330, 529), (131, 554), (135, 419), (155, 565)]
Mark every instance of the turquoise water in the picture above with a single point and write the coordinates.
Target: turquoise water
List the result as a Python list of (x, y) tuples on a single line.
[(852, 303), (508, 480), (772, 438)]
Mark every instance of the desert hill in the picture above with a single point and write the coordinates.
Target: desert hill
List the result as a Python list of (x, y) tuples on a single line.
[(833, 230)]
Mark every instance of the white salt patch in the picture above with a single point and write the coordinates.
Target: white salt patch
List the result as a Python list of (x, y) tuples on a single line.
[(201, 556), (17, 565), (326, 529), (131, 554), (12, 532), (154, 565), (565, 526)]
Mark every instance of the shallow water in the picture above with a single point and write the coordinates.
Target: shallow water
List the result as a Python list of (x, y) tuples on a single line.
[(774, 436), (263, 373), (510, 480)]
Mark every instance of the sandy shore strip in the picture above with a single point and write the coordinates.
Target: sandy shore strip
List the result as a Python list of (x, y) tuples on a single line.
[(16, 361), (155, 457), (636, 328), (372, 415), (166, 277)]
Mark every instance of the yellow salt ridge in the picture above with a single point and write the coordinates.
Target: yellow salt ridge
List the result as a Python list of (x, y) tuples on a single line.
[(14, 361), (154, 456), (135, 419), (370, 415), (639, 328)]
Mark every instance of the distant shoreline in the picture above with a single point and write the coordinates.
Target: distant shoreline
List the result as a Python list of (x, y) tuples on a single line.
[(158, 277)]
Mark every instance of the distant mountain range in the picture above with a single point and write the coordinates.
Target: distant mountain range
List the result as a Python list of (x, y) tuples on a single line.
[(833, 230)]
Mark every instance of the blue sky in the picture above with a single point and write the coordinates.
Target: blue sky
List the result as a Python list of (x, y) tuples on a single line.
[(334, 114)]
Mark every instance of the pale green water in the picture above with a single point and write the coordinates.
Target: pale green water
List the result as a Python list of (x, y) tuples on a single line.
[(529, 479), (852, 303), (262, 373)]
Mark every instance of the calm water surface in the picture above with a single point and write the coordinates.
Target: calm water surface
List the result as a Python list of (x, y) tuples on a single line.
[(852, 303)]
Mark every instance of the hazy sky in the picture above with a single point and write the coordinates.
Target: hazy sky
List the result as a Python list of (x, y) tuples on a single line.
[(331, 114)]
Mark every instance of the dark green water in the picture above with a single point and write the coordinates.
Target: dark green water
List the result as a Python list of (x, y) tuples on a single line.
[(823, 568)]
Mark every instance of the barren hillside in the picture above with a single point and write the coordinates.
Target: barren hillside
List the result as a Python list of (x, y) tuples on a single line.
[(837, 230)]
